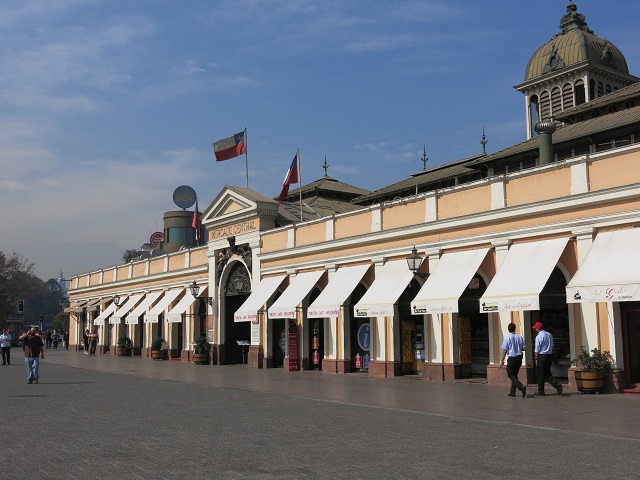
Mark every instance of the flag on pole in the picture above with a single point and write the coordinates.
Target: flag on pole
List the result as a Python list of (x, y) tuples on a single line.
[(230, 147), (195, 224), (293, 176)]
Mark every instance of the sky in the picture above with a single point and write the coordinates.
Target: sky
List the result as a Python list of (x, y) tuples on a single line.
[(107, 106)]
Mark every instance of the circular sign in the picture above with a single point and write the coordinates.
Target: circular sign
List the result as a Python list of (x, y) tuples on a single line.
[(156, 238), (184, 196), (364, 337), (283, 341)]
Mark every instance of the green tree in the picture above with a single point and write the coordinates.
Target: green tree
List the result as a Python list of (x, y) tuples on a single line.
[(16, 283), (130, 255)]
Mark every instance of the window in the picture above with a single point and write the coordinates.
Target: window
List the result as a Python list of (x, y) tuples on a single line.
[(181, 235)]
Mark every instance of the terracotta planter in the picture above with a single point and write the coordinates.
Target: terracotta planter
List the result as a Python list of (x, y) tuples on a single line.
[(200, 358), (123, 351), (157, 354), (588, 382)]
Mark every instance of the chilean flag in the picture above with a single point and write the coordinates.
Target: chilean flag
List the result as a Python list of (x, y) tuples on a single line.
[(230, 147), (293, 176), (194, 224)]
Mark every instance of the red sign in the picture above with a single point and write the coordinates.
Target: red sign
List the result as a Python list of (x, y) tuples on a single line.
[(156, 238), (293, 346)]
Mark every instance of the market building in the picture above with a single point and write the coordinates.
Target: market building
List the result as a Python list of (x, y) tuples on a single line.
[(421, 277)]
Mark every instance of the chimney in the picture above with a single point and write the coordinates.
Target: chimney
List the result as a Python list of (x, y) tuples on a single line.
[(545, 131)]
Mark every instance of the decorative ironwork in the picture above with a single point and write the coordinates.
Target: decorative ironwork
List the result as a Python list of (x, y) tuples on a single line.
[(225, 254), (238, 282)]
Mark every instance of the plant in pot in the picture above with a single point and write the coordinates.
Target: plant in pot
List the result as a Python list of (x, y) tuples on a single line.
[(592, 367), (124, 346), (200, 351), (157, 352)]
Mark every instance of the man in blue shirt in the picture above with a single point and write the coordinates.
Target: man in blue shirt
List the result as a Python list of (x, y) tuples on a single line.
[(513, 346), (543, 355)]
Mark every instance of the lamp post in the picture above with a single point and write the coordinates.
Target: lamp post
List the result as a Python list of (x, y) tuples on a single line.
[(194, 288), (414, 261)]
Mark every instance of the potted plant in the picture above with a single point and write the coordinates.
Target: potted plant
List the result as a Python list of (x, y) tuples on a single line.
[(591, 369), (157, 352), (200, 351), (124, 346)]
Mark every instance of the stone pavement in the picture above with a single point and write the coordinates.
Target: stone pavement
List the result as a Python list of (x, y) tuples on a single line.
[(113, 417)]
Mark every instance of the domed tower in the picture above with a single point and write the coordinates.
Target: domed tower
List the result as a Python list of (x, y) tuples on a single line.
[(574, 67)]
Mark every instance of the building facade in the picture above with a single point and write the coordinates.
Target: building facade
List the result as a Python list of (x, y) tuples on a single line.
[(522, 235)]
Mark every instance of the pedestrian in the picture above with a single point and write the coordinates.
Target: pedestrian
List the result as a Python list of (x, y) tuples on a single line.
[(543, 356), (48, 338), (85, 340), (93, 342), (66, 339), (33, 348), (5, 346), (513, 346), (55, 337)]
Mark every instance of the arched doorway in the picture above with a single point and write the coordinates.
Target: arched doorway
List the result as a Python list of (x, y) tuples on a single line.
[(554, 313), (411, 332), (236, 289), (473, 331)]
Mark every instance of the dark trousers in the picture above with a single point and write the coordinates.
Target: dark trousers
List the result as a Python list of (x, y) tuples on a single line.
[(544, 372), (513, 367), (6, 355)]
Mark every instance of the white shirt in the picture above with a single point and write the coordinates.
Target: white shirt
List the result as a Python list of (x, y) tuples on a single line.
[(5, 340)]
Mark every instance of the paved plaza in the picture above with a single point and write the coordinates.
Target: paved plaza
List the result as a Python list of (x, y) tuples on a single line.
[(111, 417)]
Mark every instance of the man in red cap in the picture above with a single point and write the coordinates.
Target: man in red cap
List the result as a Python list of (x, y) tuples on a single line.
[(543, 355)]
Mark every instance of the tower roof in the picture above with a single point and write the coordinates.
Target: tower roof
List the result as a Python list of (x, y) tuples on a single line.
[(576, 43)]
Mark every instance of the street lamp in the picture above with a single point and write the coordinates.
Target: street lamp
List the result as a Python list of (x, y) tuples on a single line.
[(195, 289), (414, 261), (116, 300)]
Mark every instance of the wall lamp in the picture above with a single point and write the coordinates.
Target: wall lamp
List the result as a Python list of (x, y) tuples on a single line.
[(414, 261), (195, 289), (116, 300)]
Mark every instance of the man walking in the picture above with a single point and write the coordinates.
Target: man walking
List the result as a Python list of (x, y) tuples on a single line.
[(33, 348), (543, 355), (5, 346), (513, 346), (93, 342)]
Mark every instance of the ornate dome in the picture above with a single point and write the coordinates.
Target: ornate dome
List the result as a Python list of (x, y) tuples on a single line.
[(576, 43)]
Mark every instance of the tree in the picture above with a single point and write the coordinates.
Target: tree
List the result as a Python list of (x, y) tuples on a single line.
[(130, 255), (17, 282)]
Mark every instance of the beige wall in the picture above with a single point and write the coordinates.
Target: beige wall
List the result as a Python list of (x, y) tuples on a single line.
[(403, 215), (464, 202), (614, 171), (353, 225), (310, 234), (541, 186)]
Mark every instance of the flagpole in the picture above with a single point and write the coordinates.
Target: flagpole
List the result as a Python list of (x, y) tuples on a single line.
[(300, 182), (246, 154)]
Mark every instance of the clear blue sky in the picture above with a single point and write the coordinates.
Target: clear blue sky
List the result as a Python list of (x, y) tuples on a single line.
[(109, 105)]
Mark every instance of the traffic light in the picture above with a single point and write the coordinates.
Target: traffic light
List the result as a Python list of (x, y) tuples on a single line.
[(20, 306)]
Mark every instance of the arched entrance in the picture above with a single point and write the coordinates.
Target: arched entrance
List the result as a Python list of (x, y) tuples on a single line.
[(473, 330), (237, 288), (554, 313), (411, 332)]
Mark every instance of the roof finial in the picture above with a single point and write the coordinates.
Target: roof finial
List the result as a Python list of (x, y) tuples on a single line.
[(484, 142), (325, 166), (424, 158)]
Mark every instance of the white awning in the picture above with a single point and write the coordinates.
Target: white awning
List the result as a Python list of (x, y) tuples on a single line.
[(299, 287), (265, 289), (441, 291), (522, 276), (125, 308), (159, 308), (175, 315), (132, 318), (610, 272), (341, 285), (390, 282), (99, 320)]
